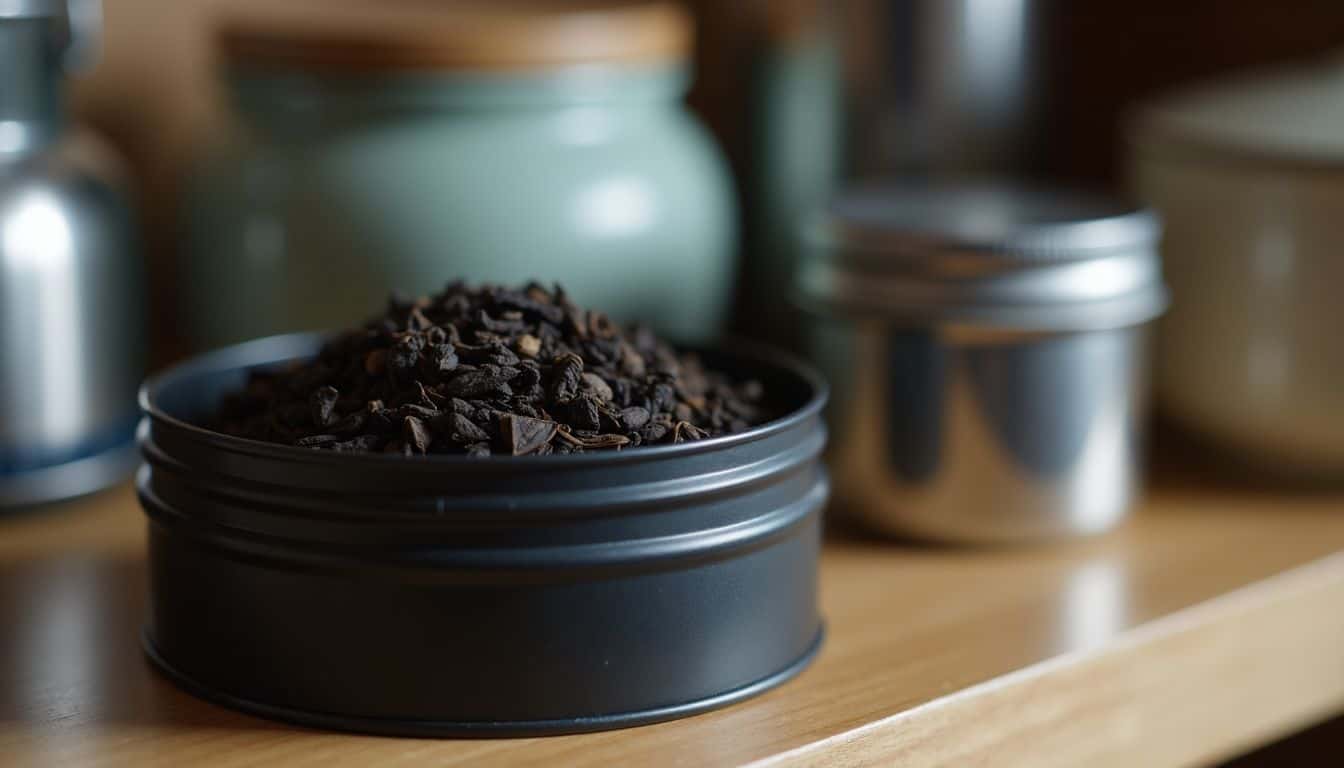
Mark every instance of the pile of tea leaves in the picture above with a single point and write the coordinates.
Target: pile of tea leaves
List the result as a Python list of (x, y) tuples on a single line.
[(490, 370)]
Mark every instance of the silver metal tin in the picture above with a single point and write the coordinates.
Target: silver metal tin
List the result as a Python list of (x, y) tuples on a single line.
[(449, 596), (71, 280), (31, 9), (962, 81), (986, 351)]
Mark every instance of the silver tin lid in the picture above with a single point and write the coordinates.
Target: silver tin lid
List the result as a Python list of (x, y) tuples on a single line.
[(31, 9), (73, 29), (986, 254)]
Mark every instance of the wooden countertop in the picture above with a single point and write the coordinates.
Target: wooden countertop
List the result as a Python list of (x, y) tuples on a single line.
[(1210, 624)]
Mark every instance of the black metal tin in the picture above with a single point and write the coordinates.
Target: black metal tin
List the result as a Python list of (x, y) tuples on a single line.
[(447, 596)]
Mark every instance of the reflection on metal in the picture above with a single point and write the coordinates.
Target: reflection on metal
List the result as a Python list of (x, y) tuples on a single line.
[(39, 275), (13, 137), (71, 303), (986, 350), (945, 87), (1015, 440), (1094, 607)]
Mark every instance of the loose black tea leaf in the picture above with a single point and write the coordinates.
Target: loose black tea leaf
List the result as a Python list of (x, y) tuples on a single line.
[(361, 444), (478, 383), (594, 383), (416, 434), (528, 345), (463, 430), (525, 434), (322, 402), (487, 370), (565, 379), (685, 430), (634, 417)]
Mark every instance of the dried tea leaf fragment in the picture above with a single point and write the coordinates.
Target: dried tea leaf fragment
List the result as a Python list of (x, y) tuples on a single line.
[(524, 435), (416, 435), (322, 404), (566, 377)]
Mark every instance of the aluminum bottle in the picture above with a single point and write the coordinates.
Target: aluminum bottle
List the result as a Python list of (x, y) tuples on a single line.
[(71, 306)]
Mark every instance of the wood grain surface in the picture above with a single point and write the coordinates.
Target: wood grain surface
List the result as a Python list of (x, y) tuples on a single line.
[(1208, 625)]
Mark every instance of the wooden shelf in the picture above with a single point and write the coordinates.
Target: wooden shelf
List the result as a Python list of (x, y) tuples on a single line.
[(1210, 624)]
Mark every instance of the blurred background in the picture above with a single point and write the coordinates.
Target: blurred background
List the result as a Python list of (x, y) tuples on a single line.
[(290, 163), (183, 176), (1036, 87)]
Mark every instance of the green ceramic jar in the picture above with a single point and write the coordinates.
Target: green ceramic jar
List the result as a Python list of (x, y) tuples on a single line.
[(405, 151)]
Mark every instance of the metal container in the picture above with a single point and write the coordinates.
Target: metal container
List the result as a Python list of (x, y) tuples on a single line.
[(949, 88), (1249, 176), (985, 347), (71, 327), (446, 596)]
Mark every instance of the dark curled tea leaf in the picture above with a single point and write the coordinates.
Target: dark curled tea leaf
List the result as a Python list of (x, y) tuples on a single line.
[(463, 430), (350, 425), (460, 406), (594, 383), (582, 413), (418, 411), (662, 397), (524, 435), (443, 357), (477, 371), (634, 417), (475, 384), (605, 441), (425, 397), (632, 364), (416, 434), (528, 345), (361, 444), (406, 353), (566, 378), (687, 431), (654, 432), (322, 401)]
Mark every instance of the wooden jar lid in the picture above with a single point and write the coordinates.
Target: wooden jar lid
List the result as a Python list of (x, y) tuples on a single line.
[(411, 35), (789, 21)]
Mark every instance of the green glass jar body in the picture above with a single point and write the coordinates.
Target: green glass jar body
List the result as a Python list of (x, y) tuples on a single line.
[(336, 191)]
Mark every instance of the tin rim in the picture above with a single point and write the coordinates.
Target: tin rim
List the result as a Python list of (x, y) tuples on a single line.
[(983, 254), (998, 224), (258, 349)]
